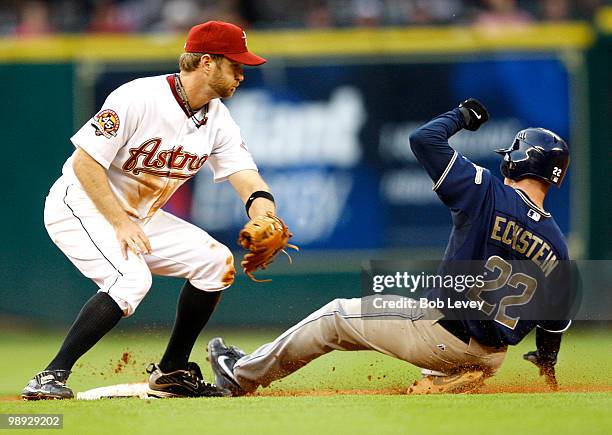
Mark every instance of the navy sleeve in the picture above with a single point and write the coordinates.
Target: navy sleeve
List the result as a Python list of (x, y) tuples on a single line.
[(560, 291), (459, 183), (429, 143)]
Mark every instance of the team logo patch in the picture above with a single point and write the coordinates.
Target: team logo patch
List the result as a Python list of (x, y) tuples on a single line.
[(106, 123)]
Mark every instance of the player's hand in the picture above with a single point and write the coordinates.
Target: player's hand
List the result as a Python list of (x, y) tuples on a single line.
[(131, 236), (547, 368), (474, 113)]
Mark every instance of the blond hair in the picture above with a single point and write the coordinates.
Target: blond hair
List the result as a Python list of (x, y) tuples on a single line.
[(191, 61)]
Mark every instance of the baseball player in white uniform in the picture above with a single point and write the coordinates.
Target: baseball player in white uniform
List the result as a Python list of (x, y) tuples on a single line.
[(150, 136)]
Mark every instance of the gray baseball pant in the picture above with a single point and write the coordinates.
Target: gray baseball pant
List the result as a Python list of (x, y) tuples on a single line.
[(410, 335)]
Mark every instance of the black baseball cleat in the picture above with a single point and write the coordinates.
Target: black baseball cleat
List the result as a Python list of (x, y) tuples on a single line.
[(222, 359), (48, 384), (181, 383)]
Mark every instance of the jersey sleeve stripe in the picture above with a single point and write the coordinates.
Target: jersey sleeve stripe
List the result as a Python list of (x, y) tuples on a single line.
[(446, 171), (569, 323)]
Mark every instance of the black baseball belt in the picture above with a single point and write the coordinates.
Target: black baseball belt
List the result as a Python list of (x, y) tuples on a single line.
[(456, 328)]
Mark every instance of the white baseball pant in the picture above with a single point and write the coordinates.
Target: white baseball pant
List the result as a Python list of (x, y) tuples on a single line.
[(178, 248)]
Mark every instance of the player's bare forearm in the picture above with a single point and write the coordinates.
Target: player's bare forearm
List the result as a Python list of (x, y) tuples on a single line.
[(248, 181), (94, 180)]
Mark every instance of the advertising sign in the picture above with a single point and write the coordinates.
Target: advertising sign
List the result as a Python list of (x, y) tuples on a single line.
[(331, 139)]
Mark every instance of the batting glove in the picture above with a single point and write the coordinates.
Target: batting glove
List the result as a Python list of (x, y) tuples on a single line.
[(474, 113), (546, 366)]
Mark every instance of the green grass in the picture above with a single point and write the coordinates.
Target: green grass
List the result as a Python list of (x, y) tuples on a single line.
[(584, 361)]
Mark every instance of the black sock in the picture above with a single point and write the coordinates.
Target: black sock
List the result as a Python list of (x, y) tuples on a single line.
[(193, 310), (98, 316)]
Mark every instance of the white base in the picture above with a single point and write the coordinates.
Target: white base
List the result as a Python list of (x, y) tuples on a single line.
[(116, 391)]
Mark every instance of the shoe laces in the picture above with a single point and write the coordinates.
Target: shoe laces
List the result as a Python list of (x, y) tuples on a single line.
[(235, 352), (192, 371), (195, 373), (207, 384), (53, 376), (199, 380)]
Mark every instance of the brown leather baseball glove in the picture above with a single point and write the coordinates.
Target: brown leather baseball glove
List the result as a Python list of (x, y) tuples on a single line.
[(264, 237)]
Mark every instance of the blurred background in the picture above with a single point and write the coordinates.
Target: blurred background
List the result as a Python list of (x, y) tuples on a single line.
[(42, 17), (327, 119)]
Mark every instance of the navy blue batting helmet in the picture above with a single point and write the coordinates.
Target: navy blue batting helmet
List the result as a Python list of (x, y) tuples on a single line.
[(536, 152)]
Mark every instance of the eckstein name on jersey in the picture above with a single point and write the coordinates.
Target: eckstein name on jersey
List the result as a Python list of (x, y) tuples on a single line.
[(524, 242)]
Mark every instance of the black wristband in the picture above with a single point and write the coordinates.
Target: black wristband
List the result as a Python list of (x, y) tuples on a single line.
[(254, 196)]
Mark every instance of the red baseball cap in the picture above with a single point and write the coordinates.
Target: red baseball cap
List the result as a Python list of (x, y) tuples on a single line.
[(218, 37)]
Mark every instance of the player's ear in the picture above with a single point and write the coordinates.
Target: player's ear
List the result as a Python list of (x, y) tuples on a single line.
[(206, 62)]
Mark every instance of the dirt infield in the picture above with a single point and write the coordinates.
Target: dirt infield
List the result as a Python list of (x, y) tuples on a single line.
[(398, 391), (496, 389), (11, 399)]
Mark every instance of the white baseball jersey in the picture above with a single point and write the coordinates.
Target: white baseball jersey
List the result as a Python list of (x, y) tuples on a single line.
[(146, 139)]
